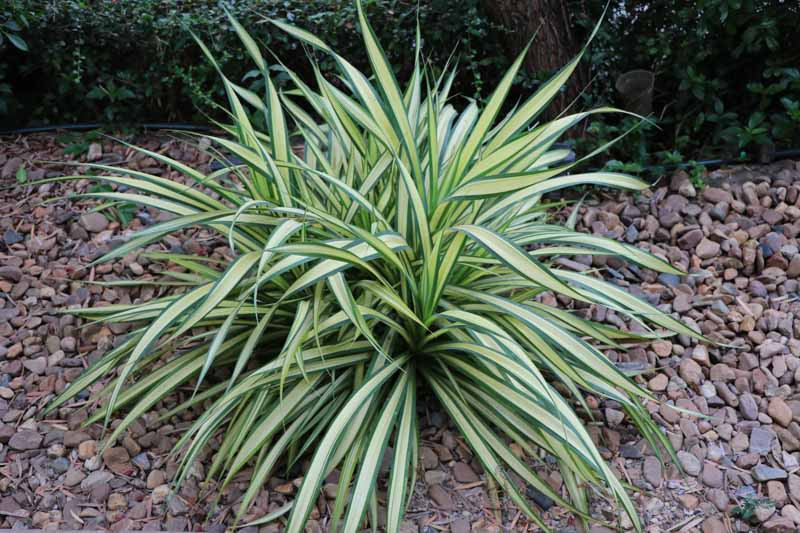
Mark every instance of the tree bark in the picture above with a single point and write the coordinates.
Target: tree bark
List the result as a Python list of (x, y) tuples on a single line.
[(554, 46)]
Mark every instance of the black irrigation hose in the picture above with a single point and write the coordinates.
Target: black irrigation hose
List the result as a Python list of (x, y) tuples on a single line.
[(776, 155), (182, 126)]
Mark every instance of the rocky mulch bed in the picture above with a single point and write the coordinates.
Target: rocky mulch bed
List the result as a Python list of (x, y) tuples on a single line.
[(737, 237)]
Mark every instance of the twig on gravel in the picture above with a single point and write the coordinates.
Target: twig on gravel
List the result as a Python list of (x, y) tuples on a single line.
[(687, 523)]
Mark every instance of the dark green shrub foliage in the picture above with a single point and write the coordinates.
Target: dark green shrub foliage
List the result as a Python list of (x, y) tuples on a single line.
[(727, 73), (134, 60), (12, 21)]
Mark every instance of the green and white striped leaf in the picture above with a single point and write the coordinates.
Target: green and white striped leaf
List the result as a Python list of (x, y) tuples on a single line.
[(378, 242)]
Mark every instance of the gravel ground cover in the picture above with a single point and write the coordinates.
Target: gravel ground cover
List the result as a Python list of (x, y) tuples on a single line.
[(737, 236)]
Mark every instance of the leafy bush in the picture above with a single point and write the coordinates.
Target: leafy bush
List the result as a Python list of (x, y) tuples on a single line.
[(12, 22), (136, 61), (727, 77), (705, 105), (406, 247)]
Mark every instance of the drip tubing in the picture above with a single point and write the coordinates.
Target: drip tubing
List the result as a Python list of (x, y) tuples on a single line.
[(182, 126)]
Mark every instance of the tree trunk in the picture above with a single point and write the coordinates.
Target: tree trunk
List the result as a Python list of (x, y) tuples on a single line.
[(554, 46)]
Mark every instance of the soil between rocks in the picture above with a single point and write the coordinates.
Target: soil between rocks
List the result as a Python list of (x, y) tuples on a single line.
[(736, 236)]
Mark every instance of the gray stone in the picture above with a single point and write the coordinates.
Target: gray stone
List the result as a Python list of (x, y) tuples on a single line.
[(141, 461), (429, 458), (73, 477), (25, 440), (74, 438), (748, 406), (95, 152), (761, 441), (614, 417), (682, 303), (721, 372), (767, 473), (707, 249), (463, 473), (176, 505), (60, 465), (719, 498), (792, 513), (794, 486), (12, 237), (94, 222), (690, 372), (156, 478), (714, 525), (37, 365), (715, 195), (10, 168), (441, 497), (690, 464), (96, 478), (690, 239), (11, 273), (770, 349), (712, 476), (793, 271), (435, 477), (652, 470), (779, 411), (460, 525)]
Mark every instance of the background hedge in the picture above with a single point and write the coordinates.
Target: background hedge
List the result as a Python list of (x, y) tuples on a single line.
[(727, 78), (136, 60)]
